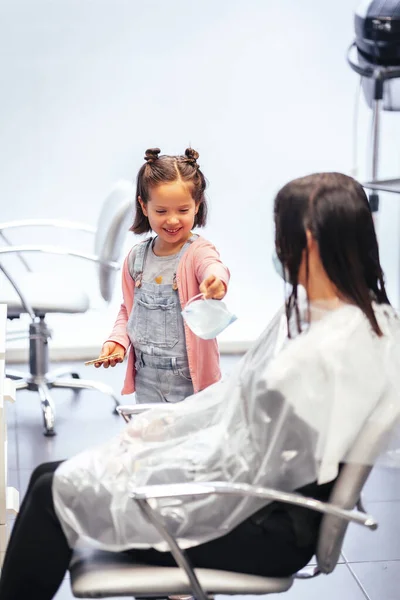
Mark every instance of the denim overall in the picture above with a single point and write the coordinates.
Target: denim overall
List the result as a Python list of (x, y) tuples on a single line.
[(155, 328)]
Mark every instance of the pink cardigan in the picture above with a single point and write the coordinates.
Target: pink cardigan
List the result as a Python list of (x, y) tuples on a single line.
[(198, 262)]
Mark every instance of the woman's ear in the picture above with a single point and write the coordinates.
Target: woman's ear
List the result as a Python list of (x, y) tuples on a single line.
[(142, 206), (311, 243)]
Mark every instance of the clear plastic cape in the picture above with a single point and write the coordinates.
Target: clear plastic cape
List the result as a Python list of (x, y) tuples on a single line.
[(287, 416)]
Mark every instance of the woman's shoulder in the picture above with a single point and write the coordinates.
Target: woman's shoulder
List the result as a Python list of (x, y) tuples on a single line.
[(340, 333), (322, 337)]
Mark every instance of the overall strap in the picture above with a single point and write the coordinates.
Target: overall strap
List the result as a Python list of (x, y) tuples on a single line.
[(186, 246), (136, 266)]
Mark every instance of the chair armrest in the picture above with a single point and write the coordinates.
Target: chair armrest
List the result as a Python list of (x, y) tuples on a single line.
[(59, 223), (206, 488), (57, 250), (144, 495), (129, 410), (133, 409), (9, 243)]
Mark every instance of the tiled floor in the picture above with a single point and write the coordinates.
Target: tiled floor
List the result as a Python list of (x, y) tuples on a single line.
[(371, 565)]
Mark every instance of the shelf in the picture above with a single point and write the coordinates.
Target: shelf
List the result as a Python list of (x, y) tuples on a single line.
[(384, 185)]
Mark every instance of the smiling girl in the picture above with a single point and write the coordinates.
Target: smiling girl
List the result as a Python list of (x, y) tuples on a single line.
[(166, 361)]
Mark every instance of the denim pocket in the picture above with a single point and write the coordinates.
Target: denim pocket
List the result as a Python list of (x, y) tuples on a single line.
[(155, 321), (176, 385), (185, 373)]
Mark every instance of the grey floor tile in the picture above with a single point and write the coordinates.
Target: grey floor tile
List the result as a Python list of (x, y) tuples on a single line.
[(12, 430), (64, 593), (67, 403), (383, 484), (12, 447), (11, 413), (13, 479), (362, 545), (73, 436), (380, 580), (81, 422), (24, 476), (339, 584)]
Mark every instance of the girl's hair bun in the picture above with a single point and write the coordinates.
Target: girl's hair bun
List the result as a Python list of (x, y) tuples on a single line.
[(191, 156), (151, 154)]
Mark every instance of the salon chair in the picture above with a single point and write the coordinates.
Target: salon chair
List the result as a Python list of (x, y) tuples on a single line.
[(98, 574), (38, 294)]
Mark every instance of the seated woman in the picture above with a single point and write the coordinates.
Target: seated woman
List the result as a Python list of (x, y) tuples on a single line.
[(286, 419)]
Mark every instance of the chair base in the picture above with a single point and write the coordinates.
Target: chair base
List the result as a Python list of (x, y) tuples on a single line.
[(40, 380)]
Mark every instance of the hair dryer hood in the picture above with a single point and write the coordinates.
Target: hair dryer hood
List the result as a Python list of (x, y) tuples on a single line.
[(377, 27), (377, 50)]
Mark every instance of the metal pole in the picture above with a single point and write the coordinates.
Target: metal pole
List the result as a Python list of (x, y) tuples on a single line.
[(375, 139)]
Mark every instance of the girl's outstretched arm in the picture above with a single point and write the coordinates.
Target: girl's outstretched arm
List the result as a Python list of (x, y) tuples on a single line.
[(211, 273)]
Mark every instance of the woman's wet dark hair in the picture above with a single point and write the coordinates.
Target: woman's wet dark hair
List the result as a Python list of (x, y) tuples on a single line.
[(164, 169), (335, 209)]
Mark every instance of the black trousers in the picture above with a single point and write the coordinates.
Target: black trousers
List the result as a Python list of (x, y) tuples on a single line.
[(38, 555)]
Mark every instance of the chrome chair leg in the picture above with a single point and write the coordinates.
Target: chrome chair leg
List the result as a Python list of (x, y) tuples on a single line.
[(61, 372), (13, 374), (21, 384), (42, 380), (86, 384), (47, 408)]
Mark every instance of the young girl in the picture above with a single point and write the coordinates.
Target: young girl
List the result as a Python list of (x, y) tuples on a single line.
[(167, 362)]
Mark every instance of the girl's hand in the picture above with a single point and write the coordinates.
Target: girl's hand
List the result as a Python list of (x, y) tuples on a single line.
[(111, 348), (213, 287)]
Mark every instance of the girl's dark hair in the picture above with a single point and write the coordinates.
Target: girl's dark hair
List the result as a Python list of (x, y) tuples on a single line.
[(335, 209), (163, 169)]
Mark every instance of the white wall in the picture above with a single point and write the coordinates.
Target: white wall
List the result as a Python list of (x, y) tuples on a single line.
[(260, 88)]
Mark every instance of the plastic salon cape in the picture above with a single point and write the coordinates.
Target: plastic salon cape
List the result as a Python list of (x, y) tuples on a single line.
[(286, 416)]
